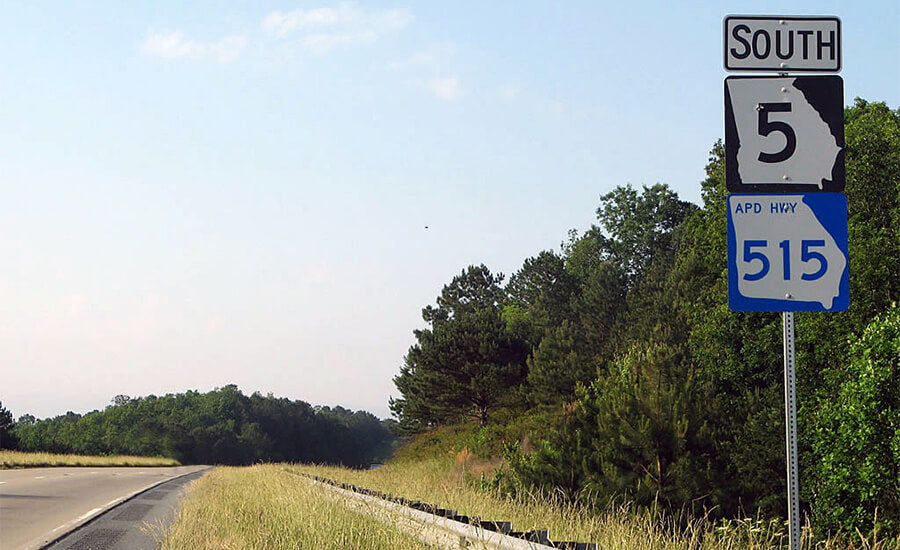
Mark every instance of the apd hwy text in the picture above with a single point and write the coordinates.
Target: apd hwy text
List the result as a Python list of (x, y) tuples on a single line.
[(774, 208)]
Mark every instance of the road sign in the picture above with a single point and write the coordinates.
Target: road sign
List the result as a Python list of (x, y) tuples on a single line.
[(784, 44), (784, 134), (788, 252)]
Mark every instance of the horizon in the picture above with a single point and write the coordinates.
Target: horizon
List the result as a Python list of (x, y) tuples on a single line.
[(268, 195), (112, 403)]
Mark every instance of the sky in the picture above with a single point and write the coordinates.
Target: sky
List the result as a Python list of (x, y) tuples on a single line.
[(268, 193)]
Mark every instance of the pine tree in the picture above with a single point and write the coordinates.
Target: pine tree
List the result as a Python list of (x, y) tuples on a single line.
[(8, 438)]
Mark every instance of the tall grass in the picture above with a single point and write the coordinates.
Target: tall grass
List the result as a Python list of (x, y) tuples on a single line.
[(270, 507), (448, 483), (265, 507), (17, 459)]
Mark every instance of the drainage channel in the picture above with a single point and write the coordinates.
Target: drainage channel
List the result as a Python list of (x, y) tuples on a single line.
[(491, 534)]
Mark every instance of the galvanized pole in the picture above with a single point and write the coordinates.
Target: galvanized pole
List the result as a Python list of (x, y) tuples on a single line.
[(790, 410)]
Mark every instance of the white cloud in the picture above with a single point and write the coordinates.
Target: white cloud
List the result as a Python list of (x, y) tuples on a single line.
[(447, 89), (322, 29), (280, 24), (322, 42), (173, 45), (434, 58), (428, 69), (509, 93)]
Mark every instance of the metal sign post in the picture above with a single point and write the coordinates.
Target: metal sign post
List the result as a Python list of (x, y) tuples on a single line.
[(790, 408)]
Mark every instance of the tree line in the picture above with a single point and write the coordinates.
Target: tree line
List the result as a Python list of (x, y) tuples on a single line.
[(222, 426), (664, 395)]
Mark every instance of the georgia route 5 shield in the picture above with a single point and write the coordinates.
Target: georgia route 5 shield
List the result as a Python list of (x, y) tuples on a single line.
[(784, 134), (788, 252)]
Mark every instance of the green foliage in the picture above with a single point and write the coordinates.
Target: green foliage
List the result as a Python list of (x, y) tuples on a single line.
[(649, 439), (552, 469), (544, 289), (639, 432), (508, 426), (636, 228), (559, 363), (465, 365), (858, 435), (219, 427), (511, 426), (873, 192), (597, 307), (8, 438), (472, 290), (681, 399)]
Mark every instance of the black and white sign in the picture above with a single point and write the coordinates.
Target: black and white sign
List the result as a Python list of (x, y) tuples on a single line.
[(785, 44), (784, 134)]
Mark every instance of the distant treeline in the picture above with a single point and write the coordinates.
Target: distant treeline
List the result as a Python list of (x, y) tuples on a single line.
[(223, 426), (662, 395)]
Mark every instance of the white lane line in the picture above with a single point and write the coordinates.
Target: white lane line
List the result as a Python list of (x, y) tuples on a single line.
[(89, 514), (110, 504), (2, 482), (71, 525), (40, 477)]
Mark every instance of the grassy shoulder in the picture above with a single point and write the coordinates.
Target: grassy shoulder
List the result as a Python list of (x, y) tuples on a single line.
[(440, 468), (267, 508), (17, 459)]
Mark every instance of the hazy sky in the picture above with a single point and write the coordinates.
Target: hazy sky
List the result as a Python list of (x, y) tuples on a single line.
[(197, 194)]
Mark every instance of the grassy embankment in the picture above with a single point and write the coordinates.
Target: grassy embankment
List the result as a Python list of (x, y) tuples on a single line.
[(17, 459), (266, 507), (451, 481)]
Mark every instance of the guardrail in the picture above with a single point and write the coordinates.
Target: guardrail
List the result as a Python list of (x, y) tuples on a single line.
[(495, 534)]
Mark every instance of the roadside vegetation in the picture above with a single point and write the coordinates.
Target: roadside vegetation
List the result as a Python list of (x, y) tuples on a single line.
[(18, 459), (456, 479), (222, 426), (649, 389), (266, 508), (271, 507)]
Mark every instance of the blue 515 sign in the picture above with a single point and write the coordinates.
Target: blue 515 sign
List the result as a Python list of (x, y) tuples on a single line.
[(788, 252)]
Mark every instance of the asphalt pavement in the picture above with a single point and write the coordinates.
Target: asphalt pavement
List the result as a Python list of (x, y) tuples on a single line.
[(41, 505)]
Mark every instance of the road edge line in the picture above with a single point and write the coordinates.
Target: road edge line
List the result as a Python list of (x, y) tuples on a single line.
[(78, 523)]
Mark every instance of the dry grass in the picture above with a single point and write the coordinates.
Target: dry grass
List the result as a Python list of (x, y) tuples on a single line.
[(269, 507), (438, 481), (16, 459), (266, 508)]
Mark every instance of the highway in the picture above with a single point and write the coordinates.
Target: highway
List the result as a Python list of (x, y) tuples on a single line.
[(38, 505)]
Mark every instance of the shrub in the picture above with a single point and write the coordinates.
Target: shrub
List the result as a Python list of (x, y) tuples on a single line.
[(857, 437)]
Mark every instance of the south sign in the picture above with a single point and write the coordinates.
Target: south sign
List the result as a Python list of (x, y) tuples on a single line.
[(783, 44)]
